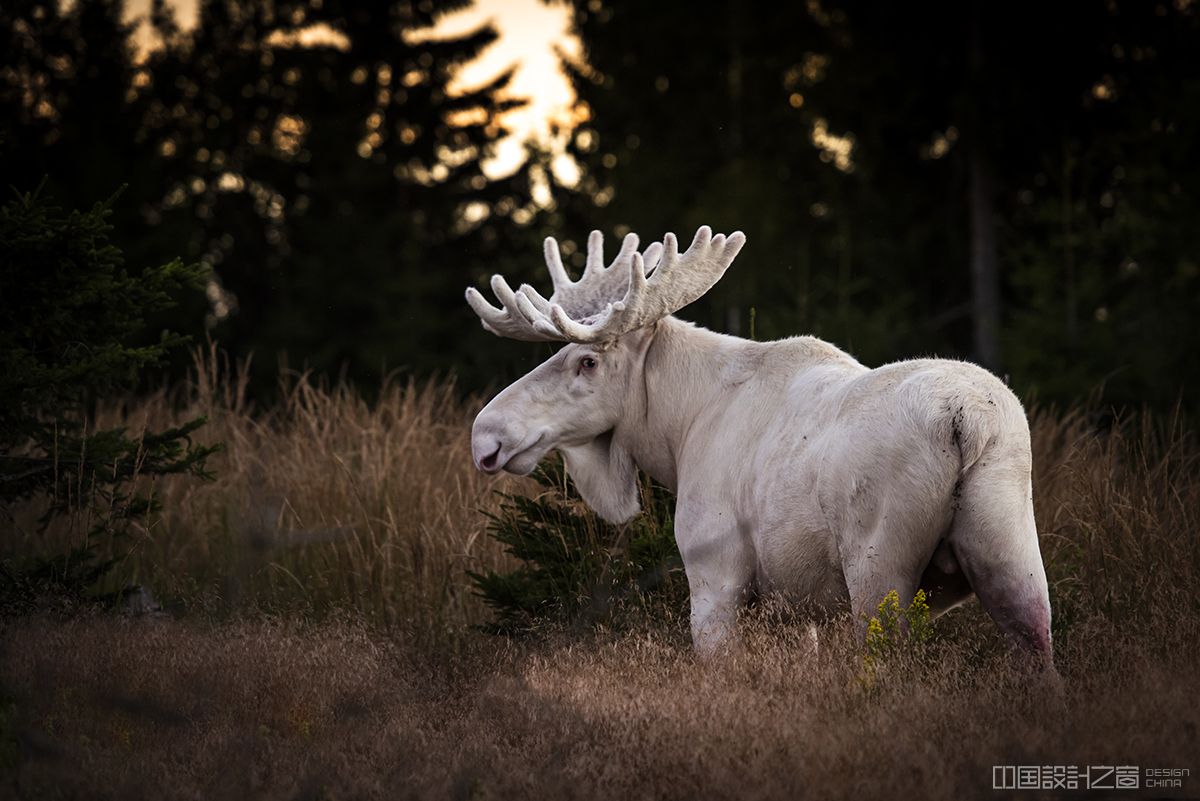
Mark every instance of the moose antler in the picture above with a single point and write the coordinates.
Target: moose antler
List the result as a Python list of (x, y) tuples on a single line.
[(636, 290)]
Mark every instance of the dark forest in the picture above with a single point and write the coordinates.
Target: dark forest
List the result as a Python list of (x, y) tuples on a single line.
[(1009, 183)]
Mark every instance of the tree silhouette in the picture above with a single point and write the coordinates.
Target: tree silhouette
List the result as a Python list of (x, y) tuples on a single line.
[(697, 115), (1012, 183), (966, 179), (339, 187), (335, 188)]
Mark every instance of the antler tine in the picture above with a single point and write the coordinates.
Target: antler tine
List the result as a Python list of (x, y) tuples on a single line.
[(595, 253), (652, 256), (558, 273), (628, 248), (511, 320)]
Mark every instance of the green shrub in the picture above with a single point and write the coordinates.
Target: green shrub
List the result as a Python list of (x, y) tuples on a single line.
[(576, 568), (71, 317)]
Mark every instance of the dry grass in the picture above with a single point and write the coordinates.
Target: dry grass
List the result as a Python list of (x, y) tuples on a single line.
[(322, 502), (339, 662), (109, 708)]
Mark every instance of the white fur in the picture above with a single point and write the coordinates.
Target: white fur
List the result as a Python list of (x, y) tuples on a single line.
[(796, 469)]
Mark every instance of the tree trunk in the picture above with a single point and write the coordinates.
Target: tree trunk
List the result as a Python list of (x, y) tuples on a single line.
[(985, 263), (1072, 303), (733, 313)]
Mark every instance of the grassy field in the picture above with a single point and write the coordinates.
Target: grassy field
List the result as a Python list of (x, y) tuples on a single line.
[(320, 640)]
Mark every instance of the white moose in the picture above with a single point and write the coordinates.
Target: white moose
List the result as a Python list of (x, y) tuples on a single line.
[(796, 469)]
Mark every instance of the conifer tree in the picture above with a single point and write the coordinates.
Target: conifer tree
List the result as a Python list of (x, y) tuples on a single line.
[(337, 188), (70, 312)]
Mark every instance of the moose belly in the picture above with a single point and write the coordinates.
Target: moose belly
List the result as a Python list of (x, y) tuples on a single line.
[(801, 565)]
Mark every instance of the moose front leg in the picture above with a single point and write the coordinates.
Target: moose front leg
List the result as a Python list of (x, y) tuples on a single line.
[(720, 567)]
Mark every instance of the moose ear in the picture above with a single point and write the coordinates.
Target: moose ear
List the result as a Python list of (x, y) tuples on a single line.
[(606, 477)]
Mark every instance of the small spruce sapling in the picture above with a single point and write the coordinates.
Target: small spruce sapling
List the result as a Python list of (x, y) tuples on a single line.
[(71, 315)]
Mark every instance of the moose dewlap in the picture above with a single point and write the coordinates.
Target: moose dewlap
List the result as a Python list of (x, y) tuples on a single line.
[(796, 469)]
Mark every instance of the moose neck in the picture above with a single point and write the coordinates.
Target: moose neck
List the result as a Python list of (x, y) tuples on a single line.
[(682, 375)]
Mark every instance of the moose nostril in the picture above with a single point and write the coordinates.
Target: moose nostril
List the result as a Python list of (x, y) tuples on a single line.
[(489, 462)]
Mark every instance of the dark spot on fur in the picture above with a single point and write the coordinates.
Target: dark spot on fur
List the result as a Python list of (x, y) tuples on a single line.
[(956, 422)]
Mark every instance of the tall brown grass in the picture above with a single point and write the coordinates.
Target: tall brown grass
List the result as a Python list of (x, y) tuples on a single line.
[(338, 534), (323, 501), (1118, 511)]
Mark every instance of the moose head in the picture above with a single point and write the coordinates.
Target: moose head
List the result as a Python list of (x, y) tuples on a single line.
[(574, 401)]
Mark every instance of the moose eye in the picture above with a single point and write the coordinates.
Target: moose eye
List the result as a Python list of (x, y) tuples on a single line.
[(587, 364)]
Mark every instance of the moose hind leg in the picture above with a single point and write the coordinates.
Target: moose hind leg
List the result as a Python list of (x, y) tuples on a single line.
[(995, 541)]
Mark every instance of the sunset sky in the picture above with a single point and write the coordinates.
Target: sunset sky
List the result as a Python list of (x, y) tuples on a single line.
[(530, 31)]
